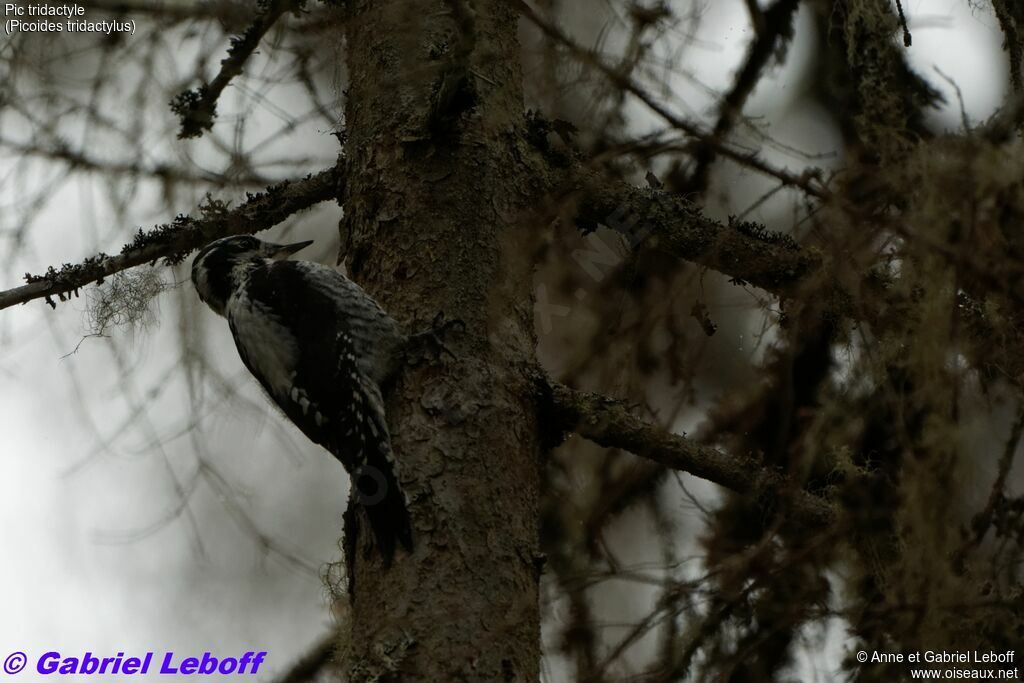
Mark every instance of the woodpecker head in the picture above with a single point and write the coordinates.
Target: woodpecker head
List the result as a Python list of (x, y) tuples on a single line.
[(223, 264)]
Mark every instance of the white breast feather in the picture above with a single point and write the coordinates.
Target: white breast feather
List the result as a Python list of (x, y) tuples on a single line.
[(269, 346)]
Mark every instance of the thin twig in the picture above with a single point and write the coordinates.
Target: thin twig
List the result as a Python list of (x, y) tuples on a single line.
[(959, 98), (776, 26), (983, 520), (623, 81), (907, 39)]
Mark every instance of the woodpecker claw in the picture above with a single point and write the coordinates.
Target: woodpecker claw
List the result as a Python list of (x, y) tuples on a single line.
[(432, 340)]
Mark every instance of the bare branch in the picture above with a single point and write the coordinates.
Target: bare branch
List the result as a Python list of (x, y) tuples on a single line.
[(173, 241), (983, 520), (78, 160), (774, 27), (751, 160), (907, 38), (609, 423)]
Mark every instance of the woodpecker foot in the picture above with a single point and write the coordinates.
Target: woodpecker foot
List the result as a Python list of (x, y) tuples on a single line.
[(430, 343)]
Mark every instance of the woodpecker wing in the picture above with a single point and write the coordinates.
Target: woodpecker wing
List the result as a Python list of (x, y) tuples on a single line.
[(304, 339)]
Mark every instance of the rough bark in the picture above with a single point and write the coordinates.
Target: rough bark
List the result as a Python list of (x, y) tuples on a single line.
[(434, 192)]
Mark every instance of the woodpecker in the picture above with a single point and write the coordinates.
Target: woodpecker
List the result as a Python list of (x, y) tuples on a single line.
[(321, 347)]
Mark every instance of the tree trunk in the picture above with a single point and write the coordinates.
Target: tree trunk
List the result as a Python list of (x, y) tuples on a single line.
[(434, 191)]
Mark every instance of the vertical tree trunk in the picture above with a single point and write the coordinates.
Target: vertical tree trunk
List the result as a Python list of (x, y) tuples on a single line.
[(433, 191)]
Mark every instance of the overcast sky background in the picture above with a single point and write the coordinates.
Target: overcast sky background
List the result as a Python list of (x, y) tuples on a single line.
[(97, 556)]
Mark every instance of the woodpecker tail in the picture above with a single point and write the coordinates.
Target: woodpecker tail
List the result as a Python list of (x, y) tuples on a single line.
[(379, 493)]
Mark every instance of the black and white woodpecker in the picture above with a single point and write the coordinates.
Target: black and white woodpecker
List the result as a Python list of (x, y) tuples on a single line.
[(321, 347)]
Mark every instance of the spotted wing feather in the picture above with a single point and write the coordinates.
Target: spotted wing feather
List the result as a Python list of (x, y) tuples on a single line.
[(330, 394)]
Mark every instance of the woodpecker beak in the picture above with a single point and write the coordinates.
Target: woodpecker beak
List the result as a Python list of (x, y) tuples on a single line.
[(280, 252)]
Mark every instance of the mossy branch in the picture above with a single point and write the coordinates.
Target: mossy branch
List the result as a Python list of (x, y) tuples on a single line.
[(198, 108), (173, 241), (609, 423), (743, 250), (1011, 20)]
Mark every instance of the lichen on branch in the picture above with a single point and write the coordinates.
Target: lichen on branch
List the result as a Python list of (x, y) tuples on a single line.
[(172, 242), (197, 108)]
